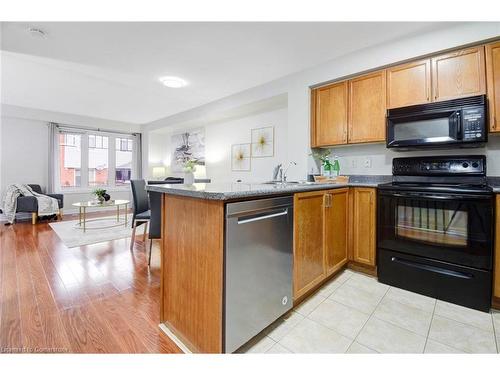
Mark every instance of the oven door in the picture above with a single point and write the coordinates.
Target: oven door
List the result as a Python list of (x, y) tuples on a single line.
[(454, 228), (424, 129)]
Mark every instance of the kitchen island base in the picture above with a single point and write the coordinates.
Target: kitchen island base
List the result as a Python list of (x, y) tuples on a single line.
[(192, 271)]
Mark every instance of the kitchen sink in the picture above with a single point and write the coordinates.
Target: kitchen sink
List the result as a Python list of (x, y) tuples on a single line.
[(288, 183)]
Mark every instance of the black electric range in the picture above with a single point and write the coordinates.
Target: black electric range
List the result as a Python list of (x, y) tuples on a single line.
[(435, 229)]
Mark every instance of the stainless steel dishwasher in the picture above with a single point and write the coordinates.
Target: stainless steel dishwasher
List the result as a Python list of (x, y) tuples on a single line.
[(258, 267)]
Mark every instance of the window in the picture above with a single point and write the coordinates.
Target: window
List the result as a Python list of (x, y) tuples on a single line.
[(70, 160), (98, 160), (123, 159), (123, 144), (99, 155), (98, 141)]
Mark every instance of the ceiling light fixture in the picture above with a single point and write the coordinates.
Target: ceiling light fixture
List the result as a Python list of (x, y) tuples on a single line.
[(37, 33), (173, 82)]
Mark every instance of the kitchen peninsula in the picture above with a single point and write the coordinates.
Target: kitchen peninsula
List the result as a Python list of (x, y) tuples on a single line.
[(194, 299)]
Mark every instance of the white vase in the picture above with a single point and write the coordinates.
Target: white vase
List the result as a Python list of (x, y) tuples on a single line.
[(188, 178)]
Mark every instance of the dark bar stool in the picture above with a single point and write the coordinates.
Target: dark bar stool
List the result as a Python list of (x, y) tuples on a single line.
[(141, 214), (155, 221)]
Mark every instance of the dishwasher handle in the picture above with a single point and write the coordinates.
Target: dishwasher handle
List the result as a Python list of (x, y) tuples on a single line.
[(252, 218)]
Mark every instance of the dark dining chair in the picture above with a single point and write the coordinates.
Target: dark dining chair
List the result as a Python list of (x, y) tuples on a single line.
[(155, 221), (142, 213), (155, 210), (155, 205)]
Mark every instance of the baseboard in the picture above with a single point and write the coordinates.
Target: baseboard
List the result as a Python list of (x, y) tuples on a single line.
[(495, 303), (363, 268), (177, 341), (297, 301)]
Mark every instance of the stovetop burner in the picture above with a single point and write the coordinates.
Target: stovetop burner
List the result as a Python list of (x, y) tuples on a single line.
[(463, 174)]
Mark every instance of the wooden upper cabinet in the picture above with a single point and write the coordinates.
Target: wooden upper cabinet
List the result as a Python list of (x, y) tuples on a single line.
[(329, 121), (409, 84), (367, 108), (336, 229), (493, 84), (364, 224), (458, 74), (308, 255)]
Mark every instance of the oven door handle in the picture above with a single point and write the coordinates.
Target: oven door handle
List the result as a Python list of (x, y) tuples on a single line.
[(440, 197), (434, 269)]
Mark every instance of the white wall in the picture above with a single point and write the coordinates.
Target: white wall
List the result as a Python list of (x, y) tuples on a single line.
[(24, 148), (219, 136), (296, 87), (24, 151)]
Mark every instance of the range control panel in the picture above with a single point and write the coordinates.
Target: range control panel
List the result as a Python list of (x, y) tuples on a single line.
[(445, 165), (473, 124)]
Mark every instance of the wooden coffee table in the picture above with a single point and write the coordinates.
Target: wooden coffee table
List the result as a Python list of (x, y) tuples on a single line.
[(83, 206)]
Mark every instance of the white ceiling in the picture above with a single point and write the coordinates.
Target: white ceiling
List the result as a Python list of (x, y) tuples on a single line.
[(110, 70)]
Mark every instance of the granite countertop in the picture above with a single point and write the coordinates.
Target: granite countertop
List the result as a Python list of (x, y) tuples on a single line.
[(240, 190), (494, 183)]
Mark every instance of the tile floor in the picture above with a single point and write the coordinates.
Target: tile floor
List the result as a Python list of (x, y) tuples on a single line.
[(354, 313)]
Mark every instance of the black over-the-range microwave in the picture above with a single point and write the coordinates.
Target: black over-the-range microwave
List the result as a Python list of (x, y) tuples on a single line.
[(452, 123)]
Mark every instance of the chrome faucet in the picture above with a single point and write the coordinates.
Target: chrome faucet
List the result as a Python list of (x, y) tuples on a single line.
[(278, 171), (283, 177)]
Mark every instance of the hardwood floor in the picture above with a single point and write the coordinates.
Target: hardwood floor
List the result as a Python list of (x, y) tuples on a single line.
[(99, 298)]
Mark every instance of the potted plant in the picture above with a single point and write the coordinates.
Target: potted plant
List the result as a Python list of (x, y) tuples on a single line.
[(100, 194), (323, 156), (189, 169)]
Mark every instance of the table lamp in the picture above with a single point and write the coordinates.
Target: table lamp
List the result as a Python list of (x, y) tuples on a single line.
[(158, 172)]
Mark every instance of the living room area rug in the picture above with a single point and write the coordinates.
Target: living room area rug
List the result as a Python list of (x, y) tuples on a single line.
[(96, 231)]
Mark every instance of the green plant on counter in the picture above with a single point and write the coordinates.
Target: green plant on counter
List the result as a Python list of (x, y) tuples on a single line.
[(190, 166), (324, 157)]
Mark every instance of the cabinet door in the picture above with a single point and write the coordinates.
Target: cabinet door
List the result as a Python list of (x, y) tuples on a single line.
[(409, 84), (308, 263), (458, 74), (330, 117), (336, 234), (367, 107), (493, 80), (364, 222)]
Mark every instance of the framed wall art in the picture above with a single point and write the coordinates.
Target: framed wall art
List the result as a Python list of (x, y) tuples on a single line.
[(240, 157), (263, 142)]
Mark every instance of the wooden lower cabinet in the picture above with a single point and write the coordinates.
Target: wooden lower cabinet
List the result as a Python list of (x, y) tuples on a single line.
[(308, 256), (364, 223), (320, 237), (336, 230)]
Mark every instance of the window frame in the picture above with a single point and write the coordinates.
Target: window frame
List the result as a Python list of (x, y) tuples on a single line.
[(84, 165)]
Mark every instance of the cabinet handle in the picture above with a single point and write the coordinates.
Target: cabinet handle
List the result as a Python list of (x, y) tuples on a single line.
[(327, 200)]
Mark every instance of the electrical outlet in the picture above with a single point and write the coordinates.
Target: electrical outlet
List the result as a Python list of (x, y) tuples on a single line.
[(368, 162), (354, 164)]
